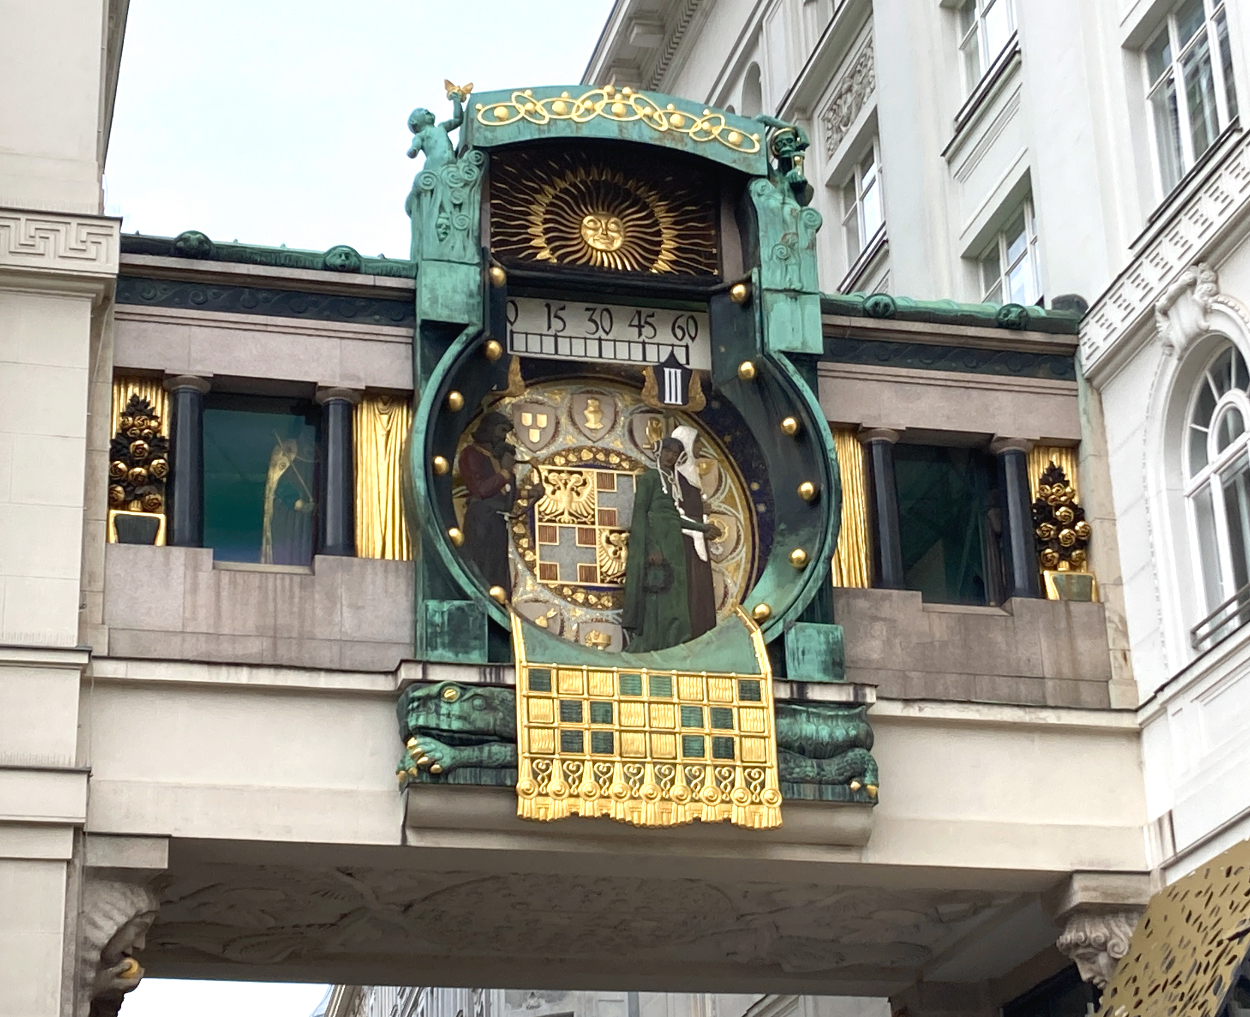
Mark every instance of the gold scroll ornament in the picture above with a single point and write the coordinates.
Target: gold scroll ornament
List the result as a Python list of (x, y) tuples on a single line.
[(621, 105), (651, 748)]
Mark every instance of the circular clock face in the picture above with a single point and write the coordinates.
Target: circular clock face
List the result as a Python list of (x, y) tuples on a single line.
[(574, 461)]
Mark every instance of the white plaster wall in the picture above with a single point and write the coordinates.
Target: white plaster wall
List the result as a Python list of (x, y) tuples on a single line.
[(51, 152)]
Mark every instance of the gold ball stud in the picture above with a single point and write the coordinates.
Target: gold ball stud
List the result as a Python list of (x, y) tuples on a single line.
[(871, 789), (455, 536), (739, 292), (441, 465), (790, 426), (798, 558), (746, 370), (808, 491), (455, 401), (855, 785), (493, 349), (497, 276), (451, 693), (498, 594), (761, 612)]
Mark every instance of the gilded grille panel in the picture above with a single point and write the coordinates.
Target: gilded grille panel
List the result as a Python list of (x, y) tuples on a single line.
[(645, 747)]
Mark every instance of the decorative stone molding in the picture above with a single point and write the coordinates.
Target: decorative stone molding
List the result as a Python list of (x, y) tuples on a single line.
[(1095, 941), (45, 241), (1223, 199), (115, 919), (677, 33), (849, 95), (1182, 314)]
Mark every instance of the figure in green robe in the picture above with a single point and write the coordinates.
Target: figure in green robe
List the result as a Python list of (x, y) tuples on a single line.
[(657, 585)]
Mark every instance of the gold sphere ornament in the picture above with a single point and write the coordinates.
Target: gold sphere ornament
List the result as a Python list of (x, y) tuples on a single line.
[(455, 536), (808, 491), (130, 969), (493, 349), (746, 370), (498, 594), (871, 789), (855, 785), (739, 293), (790, 426), (441, 465), (451, 693), (497, 275), (455, 401), (798, 558), (761, 612)]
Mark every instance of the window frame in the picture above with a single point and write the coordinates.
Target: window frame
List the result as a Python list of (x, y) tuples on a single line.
[(1001, 246), (1221, 465), (855, 182), (1174, 71), (986, 59)]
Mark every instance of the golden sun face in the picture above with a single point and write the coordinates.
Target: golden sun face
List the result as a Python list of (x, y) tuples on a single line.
[(626, 214), (603, 232)]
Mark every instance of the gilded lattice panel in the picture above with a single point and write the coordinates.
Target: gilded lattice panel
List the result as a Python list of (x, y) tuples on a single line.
[(1185, 952), (647, 747)]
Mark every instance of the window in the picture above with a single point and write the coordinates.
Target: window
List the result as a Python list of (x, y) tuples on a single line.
[(259, 479), (1189, 80), (1010, 269), (986, 27), (863, 210), (1217, 457), (950, 523)]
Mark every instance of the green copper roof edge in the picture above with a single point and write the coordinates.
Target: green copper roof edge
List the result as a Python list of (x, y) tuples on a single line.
[(261, 254), (1012, 317)]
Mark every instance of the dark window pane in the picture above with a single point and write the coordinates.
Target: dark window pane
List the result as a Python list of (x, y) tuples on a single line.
[(722, 747), (1204, 406), (1230, 427), (749, 690), (722, 718), (692, 746), (1063, 995), (631, 685), (1204, 120), (1239, 371), (540, 679), (1158, 55), (259, 479), (601, 742), (570, 741), (600, 713), (661, 685), (570, 711), (1189, 18), (1237, 511), (950, 523), (692, 716), (1197, 449)]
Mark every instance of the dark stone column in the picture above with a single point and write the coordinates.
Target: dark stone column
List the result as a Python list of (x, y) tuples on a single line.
[(338, 493), (887, 547), (1019, 551), (186, 466)]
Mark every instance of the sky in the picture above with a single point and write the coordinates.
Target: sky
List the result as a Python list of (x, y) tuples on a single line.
[(285, 122)]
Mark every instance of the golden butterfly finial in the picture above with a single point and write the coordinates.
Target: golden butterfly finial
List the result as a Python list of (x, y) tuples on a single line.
[(461, 90)]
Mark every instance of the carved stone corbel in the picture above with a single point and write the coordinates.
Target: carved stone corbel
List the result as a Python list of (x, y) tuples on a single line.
[(115, 919), (1095, 941), (1182, 313)]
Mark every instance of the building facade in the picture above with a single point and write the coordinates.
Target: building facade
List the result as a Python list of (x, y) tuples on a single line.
[(937, 626)]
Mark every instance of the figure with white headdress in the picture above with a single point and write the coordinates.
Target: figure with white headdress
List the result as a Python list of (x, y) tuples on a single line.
[(688, 495), (660, 579)]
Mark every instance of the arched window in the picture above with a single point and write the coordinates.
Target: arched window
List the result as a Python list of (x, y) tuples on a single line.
[(1217, 458), (752, 93)]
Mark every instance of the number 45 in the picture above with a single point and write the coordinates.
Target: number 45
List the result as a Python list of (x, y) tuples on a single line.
[(641, 324)]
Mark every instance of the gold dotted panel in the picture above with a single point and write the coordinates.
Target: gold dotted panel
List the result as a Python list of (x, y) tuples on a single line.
[(651, 748), (1184, 954)]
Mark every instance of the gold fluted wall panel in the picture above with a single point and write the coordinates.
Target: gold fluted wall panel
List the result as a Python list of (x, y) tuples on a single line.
[(381, 434), (150, 389), (1063, 456), (852, 561)]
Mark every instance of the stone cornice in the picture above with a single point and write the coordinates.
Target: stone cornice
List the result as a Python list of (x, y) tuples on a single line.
[(1205, 218), (65, 245)]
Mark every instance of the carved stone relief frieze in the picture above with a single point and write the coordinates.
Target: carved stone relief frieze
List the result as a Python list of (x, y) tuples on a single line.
[(849, 95), (273, 917)]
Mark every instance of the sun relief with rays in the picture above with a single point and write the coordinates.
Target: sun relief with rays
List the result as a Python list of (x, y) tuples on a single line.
[(603, 209)]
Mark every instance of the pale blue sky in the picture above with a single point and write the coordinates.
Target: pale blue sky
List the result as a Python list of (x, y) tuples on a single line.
[(284, 121)]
